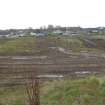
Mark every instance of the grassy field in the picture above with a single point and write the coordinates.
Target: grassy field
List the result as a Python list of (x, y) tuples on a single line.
[(18, 46), (33, 45), (88, 91)]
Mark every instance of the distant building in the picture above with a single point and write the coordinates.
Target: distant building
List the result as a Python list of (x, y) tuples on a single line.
[(58, 32), (40, 34), (70, 33), (33, 33)]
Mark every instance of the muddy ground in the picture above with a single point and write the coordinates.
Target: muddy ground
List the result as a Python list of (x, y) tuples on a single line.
[(17, 69)]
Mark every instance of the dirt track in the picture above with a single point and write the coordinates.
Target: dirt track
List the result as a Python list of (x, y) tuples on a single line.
[(16, 69)]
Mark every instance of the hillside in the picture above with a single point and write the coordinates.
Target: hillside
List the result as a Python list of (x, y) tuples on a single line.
[(43, 45)]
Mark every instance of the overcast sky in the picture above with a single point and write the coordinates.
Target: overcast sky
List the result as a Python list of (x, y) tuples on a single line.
[(36, 13)]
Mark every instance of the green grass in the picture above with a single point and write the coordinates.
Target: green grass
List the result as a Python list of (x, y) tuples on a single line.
[(12, 96), (34, 46), (88, 91), (23, 45)]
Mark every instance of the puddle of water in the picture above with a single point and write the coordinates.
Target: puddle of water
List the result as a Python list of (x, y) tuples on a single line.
[(28, 57), (21, 57), (50, 76), (83, 72), (1, 57)]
